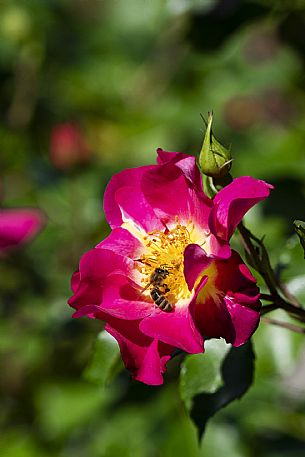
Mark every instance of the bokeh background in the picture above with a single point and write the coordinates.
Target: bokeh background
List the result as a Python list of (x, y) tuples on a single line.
[(89, 87)]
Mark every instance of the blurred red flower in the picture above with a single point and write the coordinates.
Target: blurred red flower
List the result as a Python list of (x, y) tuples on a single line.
[(68, 146)]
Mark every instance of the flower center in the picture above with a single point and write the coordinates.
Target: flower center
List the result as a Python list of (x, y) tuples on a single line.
[(162, 265)]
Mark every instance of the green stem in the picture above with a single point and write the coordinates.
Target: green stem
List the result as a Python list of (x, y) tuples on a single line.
[(261, 263), (294, 328)]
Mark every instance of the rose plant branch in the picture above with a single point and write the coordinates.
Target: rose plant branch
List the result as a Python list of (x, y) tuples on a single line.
[(287, 325), (261, 262)]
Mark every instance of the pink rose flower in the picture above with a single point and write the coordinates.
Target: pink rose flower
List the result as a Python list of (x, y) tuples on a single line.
[(18, 226), (166, 277)]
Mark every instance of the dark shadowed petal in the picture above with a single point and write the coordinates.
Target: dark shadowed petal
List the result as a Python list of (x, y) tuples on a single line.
[(87, 310), (75, 280), (214, 320), (234, 276), (244, 320), (229, 307), (232, 203)]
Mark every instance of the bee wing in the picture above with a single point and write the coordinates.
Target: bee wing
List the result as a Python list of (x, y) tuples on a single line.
[(146, 287)]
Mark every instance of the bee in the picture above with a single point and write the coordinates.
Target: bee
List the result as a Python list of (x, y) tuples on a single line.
[(159, 289)]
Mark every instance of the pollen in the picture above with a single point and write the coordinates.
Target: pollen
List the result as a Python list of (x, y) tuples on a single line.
[(166, 249)]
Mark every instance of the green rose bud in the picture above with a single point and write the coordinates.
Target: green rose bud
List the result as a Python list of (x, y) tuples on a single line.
[(214, 159)]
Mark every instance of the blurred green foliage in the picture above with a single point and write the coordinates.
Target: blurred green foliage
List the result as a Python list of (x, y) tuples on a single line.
[(134, 75)]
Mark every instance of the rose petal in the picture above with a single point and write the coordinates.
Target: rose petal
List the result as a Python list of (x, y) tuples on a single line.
[(217, 248), (123, 179), (232, 295), (135, 208), (175, 328), (232, 203), (234, 276), (123, 301), (75, 280), (195, 262), (95, 265), (186, 163), (87, 310), (123, 243), (166, 190), (142, 358), (244, 320), (214, 320)]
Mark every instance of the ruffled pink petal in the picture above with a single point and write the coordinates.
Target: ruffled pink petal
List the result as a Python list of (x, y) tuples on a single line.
[(144, 358), (122, 300), (186, 163), (87, 294), (123, 243), (167, 190), (195, 262), (153, 363), (135, 207), (232, 203), (169, 156), (95, 266), (18, 226), (126, 178), (175, 328), (217, 248), (244, 320)]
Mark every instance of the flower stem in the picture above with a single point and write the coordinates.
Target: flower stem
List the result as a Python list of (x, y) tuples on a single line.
[(259, 260), (268, 308), (294, 328)]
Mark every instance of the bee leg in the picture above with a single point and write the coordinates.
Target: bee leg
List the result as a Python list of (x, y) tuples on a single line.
[(166, 288)]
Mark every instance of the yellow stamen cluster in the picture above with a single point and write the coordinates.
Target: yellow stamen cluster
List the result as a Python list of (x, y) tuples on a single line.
[(166, 250)]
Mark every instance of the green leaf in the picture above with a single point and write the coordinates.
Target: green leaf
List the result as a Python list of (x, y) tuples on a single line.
[(201, 372), (299, 227), (237, 375), (105, 362)]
